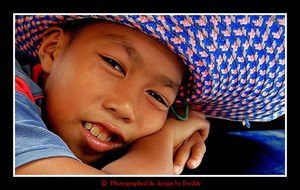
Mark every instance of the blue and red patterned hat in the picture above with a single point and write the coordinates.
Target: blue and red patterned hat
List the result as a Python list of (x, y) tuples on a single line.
[(237, 62)]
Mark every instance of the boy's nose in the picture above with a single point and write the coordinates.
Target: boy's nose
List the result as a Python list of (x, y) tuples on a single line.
[(120, 107)]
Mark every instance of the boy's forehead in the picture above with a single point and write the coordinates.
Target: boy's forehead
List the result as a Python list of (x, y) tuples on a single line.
[(123, 42)]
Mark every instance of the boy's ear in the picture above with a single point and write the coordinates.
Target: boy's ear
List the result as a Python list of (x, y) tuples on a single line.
[(52, 42)]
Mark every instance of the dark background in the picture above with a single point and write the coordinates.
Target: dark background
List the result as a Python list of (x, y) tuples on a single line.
[(234, 149)]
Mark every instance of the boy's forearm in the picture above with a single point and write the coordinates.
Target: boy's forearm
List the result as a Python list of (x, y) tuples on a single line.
[(152, 155), (148, 155)]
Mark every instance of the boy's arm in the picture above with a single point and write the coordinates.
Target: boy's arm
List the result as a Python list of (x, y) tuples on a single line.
[(57, 166), (149, 155), (154, 154), (142, 158)]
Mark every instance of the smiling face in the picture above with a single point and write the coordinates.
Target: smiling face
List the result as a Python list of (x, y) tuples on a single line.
[(111, 86)]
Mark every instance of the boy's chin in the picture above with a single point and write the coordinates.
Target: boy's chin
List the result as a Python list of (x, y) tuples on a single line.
[(89, 156), (108, 157)]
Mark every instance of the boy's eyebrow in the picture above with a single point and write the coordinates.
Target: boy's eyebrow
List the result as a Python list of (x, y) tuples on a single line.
[(167, 82), (126, 45)]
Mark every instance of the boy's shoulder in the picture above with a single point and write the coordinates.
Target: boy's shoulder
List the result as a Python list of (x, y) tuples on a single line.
[(27, 72), (33, 141)]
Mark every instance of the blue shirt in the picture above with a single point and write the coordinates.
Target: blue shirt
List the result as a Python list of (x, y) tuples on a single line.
[(33, 141)]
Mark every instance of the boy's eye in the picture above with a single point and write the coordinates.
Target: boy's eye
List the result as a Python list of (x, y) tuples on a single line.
[(157, 97), (113, 64)]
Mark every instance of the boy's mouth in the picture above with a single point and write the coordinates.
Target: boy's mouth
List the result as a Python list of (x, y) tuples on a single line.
[(101, 137), (100, 132)]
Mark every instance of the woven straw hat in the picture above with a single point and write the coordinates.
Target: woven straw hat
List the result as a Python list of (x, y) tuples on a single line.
[(237, 62)]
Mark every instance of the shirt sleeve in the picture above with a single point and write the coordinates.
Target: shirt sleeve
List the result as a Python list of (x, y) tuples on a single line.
[(33, 141)]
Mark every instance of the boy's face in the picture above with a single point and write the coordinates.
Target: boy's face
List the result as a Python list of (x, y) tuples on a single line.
[(116, 81)]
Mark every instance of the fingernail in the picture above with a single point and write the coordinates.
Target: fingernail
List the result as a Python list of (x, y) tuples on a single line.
[(193, 163), (176, 169)]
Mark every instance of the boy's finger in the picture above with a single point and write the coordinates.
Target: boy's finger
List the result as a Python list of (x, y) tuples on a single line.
[(203, 127), (180, 158), (184, 129), (194, 149), (198, 151), (204, 124)]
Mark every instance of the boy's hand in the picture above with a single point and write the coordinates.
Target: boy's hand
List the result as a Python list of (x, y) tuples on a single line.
[(189, 137), (190, 153)]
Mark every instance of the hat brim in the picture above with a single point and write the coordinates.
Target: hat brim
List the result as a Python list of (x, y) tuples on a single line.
[(237, 61)]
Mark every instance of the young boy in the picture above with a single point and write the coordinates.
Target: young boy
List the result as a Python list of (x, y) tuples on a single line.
[(105, 89), (105, 86)]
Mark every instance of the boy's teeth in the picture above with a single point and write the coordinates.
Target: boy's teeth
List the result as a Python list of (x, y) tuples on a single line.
[(88, 125), (102, 136), (96, 132), (107, 139)]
